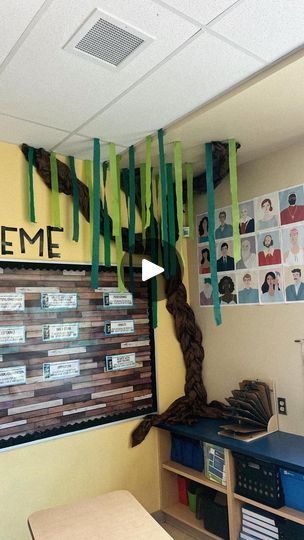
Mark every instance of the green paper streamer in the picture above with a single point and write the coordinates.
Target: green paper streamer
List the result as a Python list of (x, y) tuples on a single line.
[(116, 209), (164, 220), (178, 167), (31, 185), (115, 191), (131, 214), (88, 175), (211, 210), (235, 202), (125, 184), (75, 200), (55, 191), (171, 216), (142, 172), (96, 214), (189, 173), (106, 225), (148, 180), (154, 257)]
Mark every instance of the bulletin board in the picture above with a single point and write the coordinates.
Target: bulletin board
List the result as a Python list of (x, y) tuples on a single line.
[(71, 358)]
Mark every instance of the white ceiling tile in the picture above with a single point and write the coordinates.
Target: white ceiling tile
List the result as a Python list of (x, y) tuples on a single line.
[(46, 83), (205, 68), (14, 130), (203, 11), (82, 148), (268, 29), (14, 18)]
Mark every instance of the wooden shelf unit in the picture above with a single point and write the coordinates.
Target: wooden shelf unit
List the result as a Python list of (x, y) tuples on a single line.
[(171, 506)]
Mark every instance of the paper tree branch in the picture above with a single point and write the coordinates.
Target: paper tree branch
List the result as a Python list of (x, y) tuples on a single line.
[(188, 408)]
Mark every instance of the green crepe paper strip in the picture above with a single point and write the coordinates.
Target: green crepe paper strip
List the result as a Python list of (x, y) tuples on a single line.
[(75, 200), (189, 173), (142, 174), (89, 181), (178, 166), (115, 191), (31, 185), (118, 239), (131, 214), (55, 191), (164, 219), (96, 214), (154, 257), (107, 230), (148, 180), (125, 184), (211, 210), (234, 197), (158, 220), (171, 215)]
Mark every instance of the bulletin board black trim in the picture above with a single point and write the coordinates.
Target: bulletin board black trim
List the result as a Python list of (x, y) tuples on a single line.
[(86, 423)]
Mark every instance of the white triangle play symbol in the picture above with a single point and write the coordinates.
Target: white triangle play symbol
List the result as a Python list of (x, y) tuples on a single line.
[(149, 270)]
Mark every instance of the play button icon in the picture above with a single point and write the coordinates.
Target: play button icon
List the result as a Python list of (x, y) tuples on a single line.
[(150, 270)]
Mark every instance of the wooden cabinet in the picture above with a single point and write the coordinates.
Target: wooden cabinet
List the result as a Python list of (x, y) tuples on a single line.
[(170, 505)]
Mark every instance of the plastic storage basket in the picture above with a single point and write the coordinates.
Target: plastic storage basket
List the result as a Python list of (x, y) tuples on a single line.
[(293, 487)]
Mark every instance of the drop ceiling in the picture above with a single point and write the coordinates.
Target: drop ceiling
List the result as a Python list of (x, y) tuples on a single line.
[(197, 51)]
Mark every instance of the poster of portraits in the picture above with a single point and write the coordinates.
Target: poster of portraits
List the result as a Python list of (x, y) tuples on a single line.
[(271, 267)]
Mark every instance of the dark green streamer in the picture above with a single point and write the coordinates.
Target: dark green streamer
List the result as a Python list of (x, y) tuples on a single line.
[(171, 220), (160, 134), (31, 185), (75, 200), (96, 214)]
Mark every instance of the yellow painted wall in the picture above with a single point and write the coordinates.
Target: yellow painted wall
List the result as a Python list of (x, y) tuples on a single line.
[(60, 471), (255, 341)]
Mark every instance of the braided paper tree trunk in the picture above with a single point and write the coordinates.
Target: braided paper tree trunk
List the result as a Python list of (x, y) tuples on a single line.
[(188, 408)]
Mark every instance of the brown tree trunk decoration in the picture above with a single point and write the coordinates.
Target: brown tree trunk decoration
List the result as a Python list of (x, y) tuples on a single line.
[(193, 405)]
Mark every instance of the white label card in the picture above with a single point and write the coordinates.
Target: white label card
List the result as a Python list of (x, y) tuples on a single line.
[(59, 301), (60, 370), (53, 332), (12, 334), (114, 328), (118, 299), (12, 375), (11, 302), (120, 361)]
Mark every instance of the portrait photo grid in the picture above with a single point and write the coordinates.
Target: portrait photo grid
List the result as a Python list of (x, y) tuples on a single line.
[(271, 268)]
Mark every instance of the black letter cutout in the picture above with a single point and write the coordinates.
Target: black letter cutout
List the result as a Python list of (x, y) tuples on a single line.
[(51, 246), (4, 243), (39, 235)]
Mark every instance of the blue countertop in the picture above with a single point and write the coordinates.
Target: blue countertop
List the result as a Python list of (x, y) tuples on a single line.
[(282, 448)]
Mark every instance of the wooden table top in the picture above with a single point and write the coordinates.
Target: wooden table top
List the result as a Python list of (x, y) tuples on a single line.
[(116, 515)]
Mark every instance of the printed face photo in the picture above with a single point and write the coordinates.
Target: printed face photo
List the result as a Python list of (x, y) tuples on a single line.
[(203, 258), (293, 244), (267, 211), (269, 248), (248, 253), (223, 223), (227, 289), (205, 291), (291, 205), (202, 225), (248, 287), (271, 285), (225, 259), (294, 283), (247, 221)]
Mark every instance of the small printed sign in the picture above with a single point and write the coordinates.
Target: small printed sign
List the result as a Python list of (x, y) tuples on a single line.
[(114, 328), (61, 370), (186, 232), (12, 334), (54, 332), (120, 361), (118, 299), (51, 301), (11, 302), (12, 375)]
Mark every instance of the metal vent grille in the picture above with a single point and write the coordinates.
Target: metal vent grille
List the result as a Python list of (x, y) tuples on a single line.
[(108, 42)]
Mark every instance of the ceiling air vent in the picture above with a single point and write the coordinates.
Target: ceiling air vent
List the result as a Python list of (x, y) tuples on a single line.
[(106, 40)]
